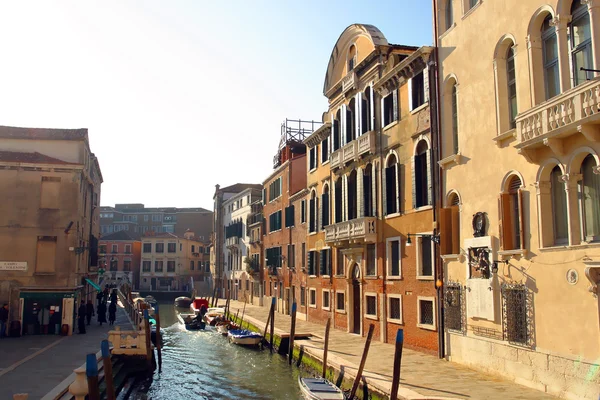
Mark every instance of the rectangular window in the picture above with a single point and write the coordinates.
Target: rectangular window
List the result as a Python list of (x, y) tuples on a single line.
[(325, 150), (395, 308), (371, 305), (127, 249), (158, 266), (127, 265), (312, 158), (200, 249), (45, 259), (303, 296), (114, 264), (339, 267), (102, 249), (371, 260), (303, 256), (426, 313), (393, 257), (312, 260), (326, 294), (193, 248), (159, 248), (114, 248), (325, 262), (206, 266), (145, 218), (291, 259), (273, 256), (172, 247), (146, 266), (289, 216), (340, 301), (171, 266), (275, 221), (275, 189), (424, 257), (417, 85), (390, 108), (50, 192), (312, 298), (303, 211)]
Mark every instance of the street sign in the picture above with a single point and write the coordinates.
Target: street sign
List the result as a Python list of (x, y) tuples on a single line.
[(101, 271)]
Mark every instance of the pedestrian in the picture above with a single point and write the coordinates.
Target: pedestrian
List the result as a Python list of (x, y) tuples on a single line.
[(113, 296), (99, 297), (3, 320), (44, 319), (112, 312), (89, 311), (102, 313), (82, 312)]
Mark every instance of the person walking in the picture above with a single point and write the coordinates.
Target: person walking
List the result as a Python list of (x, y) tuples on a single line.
[(102, 313), (113, 296), (82, 312), (3, 320), (89, 311), (112, 312), (99, 297)]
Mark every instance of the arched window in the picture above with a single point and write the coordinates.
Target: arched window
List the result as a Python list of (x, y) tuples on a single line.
[(550, 57), (366, 110), (392, 189), (313, 211), (338, 201), (352, 202), (351, 58), (325, 206), (454, 99), (511, 214), (590, 199), (559, 207), (581, 41), (368, 191), (449, 14), (512, 86), (350, 121), (422, 176)]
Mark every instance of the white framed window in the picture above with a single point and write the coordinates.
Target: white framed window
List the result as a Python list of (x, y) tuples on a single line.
[(371, 305), (425, 255), (312, 297), (326, 297), (393, 247), (371, 260), (426, 312), (312, 159), (340, 301), (416, 91), (394, 308)]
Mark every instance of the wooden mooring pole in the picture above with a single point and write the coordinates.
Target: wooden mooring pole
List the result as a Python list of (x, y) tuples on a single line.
[(243, 312), (269, 318), (326, 347), (362, 361), (158, 337), (397, 363), (292, 334), (108, 375), (91, 371), (272, 331)]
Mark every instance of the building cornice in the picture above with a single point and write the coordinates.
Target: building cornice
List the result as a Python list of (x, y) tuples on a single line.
[(73, 167), (277, 171), (298, 195), (405, 70), (319, 135)]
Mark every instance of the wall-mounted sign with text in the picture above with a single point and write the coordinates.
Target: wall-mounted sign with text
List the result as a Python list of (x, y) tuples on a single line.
[(13, 265)]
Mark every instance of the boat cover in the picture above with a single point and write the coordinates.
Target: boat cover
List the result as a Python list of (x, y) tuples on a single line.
[(318, 385)]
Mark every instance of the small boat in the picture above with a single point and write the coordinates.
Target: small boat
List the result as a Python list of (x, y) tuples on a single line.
[(197, 305), (190, 324), (244, 337), (224, 327), (319, 389), (211, 315), (183, 302)]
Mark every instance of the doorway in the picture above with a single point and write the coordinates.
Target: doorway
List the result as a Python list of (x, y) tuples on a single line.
[(153, 283), (356, 300)]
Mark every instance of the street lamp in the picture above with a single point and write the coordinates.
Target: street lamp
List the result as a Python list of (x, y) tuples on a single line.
[(434, 238)]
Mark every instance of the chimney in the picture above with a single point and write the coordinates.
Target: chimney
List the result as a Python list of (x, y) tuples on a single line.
[(189, 234)]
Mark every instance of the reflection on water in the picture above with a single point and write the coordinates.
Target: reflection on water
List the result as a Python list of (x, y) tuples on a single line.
[(203, 365)]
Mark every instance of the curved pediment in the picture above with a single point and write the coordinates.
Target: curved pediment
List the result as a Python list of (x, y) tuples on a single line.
[(364, 38)]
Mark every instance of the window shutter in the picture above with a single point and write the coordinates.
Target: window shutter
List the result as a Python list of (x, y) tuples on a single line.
[(397, 185), (521, 220), (311, 216), (318, 220), (264, 196), (429, 181), (426, 84), (343, 126), (329, 263), (446, 237), (414, 180), (309, 262), (322, 254), (372, 104), (455, 229), (507, 241), (410, 95), (325, 209), (382, 112), (358, 114), (395, 99), (389, 190)]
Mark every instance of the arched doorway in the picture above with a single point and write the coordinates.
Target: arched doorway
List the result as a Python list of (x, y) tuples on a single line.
[(355, 288)]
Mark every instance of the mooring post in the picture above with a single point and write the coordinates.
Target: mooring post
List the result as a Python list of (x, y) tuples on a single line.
[(272, 332), (91, 371), (236, 316), (362, 361), (292, 333), (108, 375), (326, 347), (158, 337), (397, 363), (243, 312), (148, 342), (268, 319)]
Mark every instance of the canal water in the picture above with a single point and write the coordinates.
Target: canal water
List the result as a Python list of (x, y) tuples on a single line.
[(204, 365)]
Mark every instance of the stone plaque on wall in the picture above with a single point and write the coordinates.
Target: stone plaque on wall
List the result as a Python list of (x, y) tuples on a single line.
[(480, 299), (13, 265)]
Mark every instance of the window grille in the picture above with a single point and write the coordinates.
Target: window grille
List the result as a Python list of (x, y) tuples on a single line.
[(453, 307), (426, 312), (516, 305), (371, 305)]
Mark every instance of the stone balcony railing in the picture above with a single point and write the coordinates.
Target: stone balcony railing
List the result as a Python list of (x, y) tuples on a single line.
[(560, 117), (364, 144), (360, 230), (232, 241), (128, 342)]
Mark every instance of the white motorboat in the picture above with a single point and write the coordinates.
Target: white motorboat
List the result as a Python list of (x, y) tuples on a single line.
[(320, 389), (244, 337)]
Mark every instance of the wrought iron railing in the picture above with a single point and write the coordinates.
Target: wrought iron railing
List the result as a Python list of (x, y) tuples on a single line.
[(454, 312), (516, 309)]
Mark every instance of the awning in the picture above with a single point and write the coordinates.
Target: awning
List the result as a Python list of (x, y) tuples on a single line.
[(92, 284)]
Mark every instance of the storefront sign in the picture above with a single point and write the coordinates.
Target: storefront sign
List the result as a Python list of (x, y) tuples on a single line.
[(13, 265)]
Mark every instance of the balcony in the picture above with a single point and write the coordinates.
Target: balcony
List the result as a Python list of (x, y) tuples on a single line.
[(232, 241), (255, 219), (364, 144), (360, 230), (547, 124)]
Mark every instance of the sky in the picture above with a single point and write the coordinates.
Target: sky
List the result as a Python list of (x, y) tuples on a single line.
[(179, 95)]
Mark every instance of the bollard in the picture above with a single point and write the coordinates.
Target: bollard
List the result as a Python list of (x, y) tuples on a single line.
[(91, 371), (79, 387), (397, 363), (108, 375)]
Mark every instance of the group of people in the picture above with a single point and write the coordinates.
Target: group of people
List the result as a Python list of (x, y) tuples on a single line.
[(86, 311)]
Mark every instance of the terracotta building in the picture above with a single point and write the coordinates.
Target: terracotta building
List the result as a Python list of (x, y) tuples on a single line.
[(520, 152), (120, 256), (50, 192)]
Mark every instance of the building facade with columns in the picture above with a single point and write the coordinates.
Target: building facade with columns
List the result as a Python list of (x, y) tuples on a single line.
[(520, 140)]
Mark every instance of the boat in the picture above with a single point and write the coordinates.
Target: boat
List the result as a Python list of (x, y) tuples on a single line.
[(244, 337), (224, 327), (211, 315), (197, 305), (319, 389), (190, 324), (183, 302)]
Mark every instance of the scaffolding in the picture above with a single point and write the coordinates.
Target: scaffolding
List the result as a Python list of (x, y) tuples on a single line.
[(293, 133)]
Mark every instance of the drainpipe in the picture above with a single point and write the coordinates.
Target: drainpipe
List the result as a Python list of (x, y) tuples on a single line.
[(379, 211), (437, 145)]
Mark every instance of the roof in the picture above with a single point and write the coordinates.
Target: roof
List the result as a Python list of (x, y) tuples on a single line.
[(121, 235), (238, 187), (168, 235), (12, 132), (168, 210), (30, 158)]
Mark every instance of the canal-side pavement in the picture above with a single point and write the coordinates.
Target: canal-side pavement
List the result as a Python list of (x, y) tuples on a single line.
[(36, 364), (423, 376)]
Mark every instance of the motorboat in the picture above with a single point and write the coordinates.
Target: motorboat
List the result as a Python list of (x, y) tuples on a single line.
[(190, 322), (244, 337), (197, 305), (183, 302), (224, 327), (211, 315), (320, 389)]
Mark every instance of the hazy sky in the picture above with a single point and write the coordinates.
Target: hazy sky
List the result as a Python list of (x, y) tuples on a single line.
[(180, 95)]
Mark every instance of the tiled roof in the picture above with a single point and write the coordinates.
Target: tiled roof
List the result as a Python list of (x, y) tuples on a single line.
[(238, 187), (30, 158), (121, 235), (12, 132)]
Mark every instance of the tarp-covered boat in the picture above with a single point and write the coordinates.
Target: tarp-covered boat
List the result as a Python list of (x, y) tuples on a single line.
[(244, 337), (319, 389)]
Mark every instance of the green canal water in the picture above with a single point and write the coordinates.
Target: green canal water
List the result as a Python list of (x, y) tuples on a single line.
[(203, 365)]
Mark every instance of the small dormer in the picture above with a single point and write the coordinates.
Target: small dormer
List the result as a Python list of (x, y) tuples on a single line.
[(351, 59), (189, 234)]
